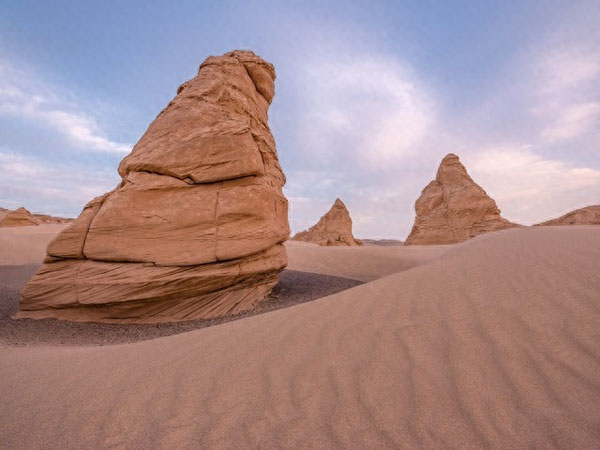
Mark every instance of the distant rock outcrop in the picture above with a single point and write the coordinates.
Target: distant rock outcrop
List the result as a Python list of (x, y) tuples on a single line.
[(334, 228), (453, 208), (590, 215), (20, 217), (196, 226)]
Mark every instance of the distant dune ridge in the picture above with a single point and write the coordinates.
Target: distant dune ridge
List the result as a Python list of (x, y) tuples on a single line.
[(195, 228), (453, 208), (589, 215), (333, 229)]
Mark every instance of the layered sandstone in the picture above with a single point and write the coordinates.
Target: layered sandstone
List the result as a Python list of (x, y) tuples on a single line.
[(20, 217), (589, 215), (453, 208), (334, 228), (195, 227)]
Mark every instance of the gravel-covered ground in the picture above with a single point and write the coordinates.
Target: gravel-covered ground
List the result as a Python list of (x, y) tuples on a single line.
[(293, 288)]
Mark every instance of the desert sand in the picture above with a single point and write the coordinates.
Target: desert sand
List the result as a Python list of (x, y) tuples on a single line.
[(26, 245), (491, 343)]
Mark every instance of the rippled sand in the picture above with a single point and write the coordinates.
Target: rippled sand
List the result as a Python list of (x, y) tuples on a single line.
[(493, 343)]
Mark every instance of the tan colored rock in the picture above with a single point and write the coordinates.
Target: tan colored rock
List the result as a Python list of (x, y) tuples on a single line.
[(334, 228), (194, 229), (20, 217), (589, 215), (453, 208)]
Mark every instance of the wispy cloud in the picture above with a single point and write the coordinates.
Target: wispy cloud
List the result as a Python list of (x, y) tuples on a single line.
[(50, 187), (530, 188), (29, 99), (567, 68), (364, 109), (573, 121), (566, 100)]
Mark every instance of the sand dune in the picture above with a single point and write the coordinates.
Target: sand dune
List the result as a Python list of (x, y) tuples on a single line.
[(361, 263), (492, 345)]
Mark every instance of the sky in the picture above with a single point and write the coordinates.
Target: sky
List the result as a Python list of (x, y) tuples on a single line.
[(369, 97)]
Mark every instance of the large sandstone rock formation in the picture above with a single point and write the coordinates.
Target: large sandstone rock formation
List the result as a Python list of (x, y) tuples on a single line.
[(334, 228), (20, 217), (453, 208), (195, 228), (590, 215)]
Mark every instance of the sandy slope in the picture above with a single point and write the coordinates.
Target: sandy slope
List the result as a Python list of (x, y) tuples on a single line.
[(26, 245), (365, 263), (493, 345)]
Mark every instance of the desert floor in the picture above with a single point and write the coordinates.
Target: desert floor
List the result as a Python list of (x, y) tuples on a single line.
[(493, 343)]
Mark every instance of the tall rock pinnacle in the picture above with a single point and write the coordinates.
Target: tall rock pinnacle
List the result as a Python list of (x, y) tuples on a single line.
[(195, 227), (453, 208), (334, 228)]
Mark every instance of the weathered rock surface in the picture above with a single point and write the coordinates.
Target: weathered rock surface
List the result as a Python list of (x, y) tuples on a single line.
[(194, 229), (20, 217), (453, 208), (589, 215), (334, 228)]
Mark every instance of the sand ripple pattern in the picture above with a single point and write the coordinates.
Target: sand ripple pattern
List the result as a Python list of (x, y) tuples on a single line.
[(493, 345)]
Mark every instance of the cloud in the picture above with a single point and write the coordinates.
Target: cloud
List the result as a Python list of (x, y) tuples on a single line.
[(530, 188), (573, 121), (50, 187), (31, 100), (366, 110), (566, 83), (567, 68)]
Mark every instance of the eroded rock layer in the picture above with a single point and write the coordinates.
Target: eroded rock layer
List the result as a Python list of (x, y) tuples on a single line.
[(194, 229), (334, 228), (453, 208), (590, 215)]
